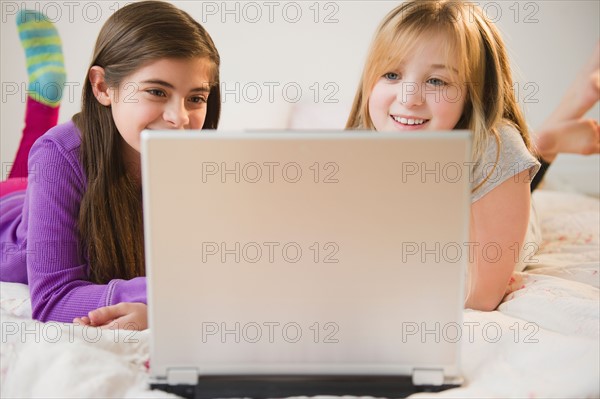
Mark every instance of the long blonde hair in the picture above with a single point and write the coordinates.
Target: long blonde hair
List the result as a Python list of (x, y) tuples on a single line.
[(110, 216), (483, 67)]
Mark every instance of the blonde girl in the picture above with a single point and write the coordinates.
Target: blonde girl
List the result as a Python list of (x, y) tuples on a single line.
[(441, 65)]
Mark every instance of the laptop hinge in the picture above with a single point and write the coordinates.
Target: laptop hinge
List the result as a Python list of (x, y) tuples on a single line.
[(182, 376), (428, 377)]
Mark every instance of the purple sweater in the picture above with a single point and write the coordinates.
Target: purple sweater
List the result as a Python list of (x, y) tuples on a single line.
[(39, 235)]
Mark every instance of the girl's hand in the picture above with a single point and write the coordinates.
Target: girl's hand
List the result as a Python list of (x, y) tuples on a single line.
[(125, 315)]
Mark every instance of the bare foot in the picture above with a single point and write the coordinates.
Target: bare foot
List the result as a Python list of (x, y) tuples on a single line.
[(580, 136)]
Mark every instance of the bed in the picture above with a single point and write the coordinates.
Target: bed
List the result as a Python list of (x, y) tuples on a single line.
[(543, 341)]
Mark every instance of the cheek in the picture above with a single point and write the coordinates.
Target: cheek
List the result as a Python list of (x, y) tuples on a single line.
[(452, 96), (141, 111), (451, 108), (120, 117), (197, 118), (378, 99), (379, 103)]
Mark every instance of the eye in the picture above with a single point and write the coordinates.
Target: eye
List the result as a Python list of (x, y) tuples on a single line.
[(156, 92), (198, 99), (391, 76), (436, 82)]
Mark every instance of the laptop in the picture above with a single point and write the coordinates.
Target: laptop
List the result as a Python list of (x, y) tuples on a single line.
[(304, 263)]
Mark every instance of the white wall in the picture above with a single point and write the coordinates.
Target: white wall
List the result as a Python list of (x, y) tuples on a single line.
[(322, 54)]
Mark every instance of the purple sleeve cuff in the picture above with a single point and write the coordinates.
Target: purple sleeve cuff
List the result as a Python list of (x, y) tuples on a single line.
[(133, 290)]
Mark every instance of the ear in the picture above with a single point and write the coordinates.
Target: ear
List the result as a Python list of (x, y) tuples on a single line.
[(99, 86)]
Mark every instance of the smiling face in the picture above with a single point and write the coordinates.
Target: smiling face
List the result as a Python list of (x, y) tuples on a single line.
[(163, 94), (422, 93)]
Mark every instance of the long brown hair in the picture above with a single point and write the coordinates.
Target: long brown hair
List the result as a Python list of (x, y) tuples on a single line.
[(484, 68), (110, 216)]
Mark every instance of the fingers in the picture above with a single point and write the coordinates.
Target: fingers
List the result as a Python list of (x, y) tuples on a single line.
[(127, 316), (122, 323), (112, 325), (82, 321), (104, 315)]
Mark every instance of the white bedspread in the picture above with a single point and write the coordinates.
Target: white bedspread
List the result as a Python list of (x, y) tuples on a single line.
[(543, 341)]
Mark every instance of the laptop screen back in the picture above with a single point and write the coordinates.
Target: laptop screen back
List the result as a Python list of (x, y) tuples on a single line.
[(305, 253)]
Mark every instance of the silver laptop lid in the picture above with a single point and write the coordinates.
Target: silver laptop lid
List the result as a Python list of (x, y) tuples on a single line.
[(305, 253)]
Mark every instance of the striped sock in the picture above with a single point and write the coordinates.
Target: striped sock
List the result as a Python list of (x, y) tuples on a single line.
[(43, 53)]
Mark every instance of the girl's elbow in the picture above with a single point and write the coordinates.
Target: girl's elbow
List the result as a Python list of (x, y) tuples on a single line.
[(484, 303), (484, 306), (487, 292), (40, 310)]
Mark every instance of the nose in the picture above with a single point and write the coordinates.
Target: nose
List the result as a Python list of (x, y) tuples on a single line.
[(410, 94), (176, 114)]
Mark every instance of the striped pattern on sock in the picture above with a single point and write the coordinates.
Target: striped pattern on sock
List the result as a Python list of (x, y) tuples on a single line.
[(44, 57)]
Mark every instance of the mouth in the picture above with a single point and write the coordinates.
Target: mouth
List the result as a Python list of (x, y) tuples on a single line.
[(409, 122)]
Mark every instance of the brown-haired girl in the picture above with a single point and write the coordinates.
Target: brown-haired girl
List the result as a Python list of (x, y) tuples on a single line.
[(78, 229)]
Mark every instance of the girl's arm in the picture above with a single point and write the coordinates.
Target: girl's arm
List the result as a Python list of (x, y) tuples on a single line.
[(499, 222), (57, 271)]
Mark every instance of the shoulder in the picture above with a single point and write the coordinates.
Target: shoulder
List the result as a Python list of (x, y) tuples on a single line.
[(65, 136), (513, 153), (502, 159), (511, 141)]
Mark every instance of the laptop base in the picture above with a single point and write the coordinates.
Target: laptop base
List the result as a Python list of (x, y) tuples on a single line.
[(284, 386)]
